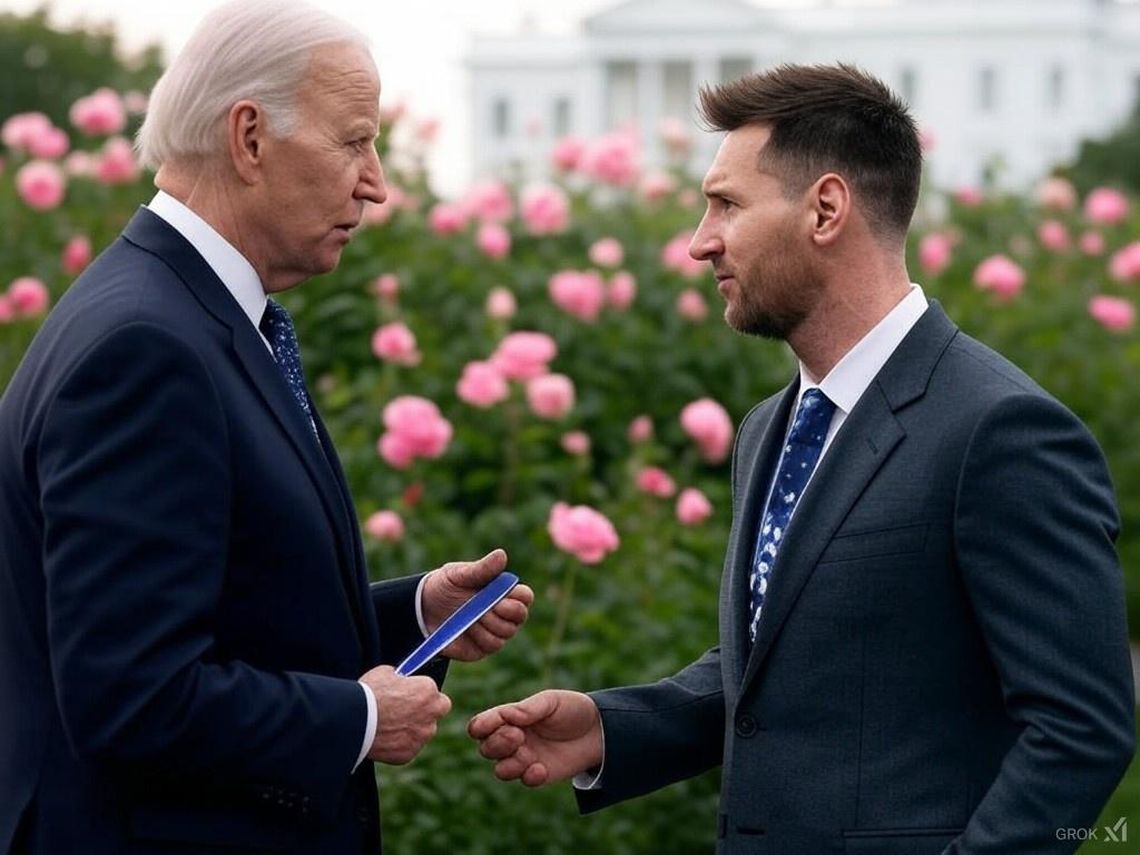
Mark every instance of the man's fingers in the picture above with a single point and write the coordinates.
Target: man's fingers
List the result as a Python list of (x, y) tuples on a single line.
[(535, 775), (485, 723), (502, 743), (510, 610), (477, 574), (528, 711), (522, 593)]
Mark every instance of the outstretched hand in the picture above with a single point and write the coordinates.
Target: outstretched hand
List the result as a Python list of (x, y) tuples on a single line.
[(453, 584), (551, 736)]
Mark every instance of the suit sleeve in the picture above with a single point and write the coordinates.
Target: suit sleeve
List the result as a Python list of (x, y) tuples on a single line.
[(394, 602), (134, 481), (659, 733), (1035, 526)]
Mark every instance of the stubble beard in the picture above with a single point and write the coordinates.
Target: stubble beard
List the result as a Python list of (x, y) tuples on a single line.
[(776, 307)]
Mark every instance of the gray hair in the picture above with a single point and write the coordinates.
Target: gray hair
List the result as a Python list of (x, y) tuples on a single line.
[(255, 49)]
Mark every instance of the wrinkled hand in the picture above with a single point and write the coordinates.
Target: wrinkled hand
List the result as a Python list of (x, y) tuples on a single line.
[(548, 737), (407, 711), (453, 584)]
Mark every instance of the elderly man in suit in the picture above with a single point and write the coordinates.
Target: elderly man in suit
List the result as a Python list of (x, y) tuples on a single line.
[(922, 633), (185, 615)]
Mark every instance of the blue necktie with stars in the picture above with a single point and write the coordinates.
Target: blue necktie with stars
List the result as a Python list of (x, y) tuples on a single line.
[(797, 462), (277, 327)]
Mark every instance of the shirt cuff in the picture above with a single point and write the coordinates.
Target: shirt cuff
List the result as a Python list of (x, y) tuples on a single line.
[(591, 780), (370, 727), (420, 605)]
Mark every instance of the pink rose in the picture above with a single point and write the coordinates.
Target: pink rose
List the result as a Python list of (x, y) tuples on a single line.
[(447, 219), (1057, 194), (969, 197), (7, 313), (20, 131), (708, 423), (524, 355), (640, 429), (676, 136), (482, 385), (396, 343), (100, 113), (427, 130), (1106, 207), (582, 532), (691, 305), (544, 209), (51, 144), (693, 507), (117, 164), (1053, 236), (415, 428), (613, 159), (550, 396), (934, 251), (28, 297), (1092, 243), (675, 256), (656, 186), (41, 185), (76, 255), (1125, 263), (386, 287), (501, 304), (576, 443), (926, 140), (607, 252), (493, 240), (1001, 275), (80, 164), (579, 294), (392, 111), (136, 102), (489, 202), (656, 482), (385, 526), (567, 153), (1113, 313), (622, 290)]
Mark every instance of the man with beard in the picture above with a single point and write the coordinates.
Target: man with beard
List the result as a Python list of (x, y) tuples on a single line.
[(922, 631)]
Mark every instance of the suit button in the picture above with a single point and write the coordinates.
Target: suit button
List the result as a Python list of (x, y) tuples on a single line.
[(746, 726)]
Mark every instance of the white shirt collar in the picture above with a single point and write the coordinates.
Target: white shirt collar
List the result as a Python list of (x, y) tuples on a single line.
[(845, 384), (233, 268)]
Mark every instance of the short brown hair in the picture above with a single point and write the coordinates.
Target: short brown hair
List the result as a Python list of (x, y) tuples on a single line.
[(829, 118)]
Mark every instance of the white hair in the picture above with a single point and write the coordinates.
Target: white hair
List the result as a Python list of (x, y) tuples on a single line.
[(255, 49)]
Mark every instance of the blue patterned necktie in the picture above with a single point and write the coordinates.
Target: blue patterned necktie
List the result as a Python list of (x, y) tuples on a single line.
[(277, 327), (797, 462)]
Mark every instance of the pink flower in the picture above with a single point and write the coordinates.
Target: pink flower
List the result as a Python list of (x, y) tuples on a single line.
[(136, 102), (482, 385), (415, 428), (51, 144), (76, 255), (117, 164), (544, 209), (1092, 243), (80, 164), (582, 532), (1106, 207), (613, 159), (579, 294), (7, 313), (969, 197), (1053, 236), (693, 507), (1057, 194), (567, 153), (657, 185), (1001, 275), (675, 256), (656, 482), (392, 111), (501, 304), (675, 134), (622, 290), (447, 219), (28, 297), (396, 343), (640, 429), (427, 130), (1125, 263), (576, 442), (691, 305), (385, 526), (934, 252), (1113, 313), (550, 396), (524, 355), (926, 140), (607, 252), (493, 240), (100, 113), (489, 202), (20, 131), (41, 185), (708, 423), (386, 287)]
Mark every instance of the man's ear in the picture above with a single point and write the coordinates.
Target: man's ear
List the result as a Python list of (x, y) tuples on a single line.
[(832, 207), (246, 130)]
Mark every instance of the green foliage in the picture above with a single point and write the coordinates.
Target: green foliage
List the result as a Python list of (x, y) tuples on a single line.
[(1114, 160)]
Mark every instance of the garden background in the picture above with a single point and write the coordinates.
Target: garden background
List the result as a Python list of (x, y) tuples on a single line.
[(459, 435)]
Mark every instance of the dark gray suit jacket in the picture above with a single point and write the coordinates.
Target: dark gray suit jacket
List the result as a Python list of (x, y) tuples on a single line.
[(942, 664)]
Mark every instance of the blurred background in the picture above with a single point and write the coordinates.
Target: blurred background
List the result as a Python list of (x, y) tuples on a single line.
[(544, 164)]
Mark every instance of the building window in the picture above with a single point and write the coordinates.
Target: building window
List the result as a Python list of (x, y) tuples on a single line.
[(733, 67), (908, 85), (562, 117), (987, 90), (621, 93), (501, 118), (678, 101), (1056, 95)]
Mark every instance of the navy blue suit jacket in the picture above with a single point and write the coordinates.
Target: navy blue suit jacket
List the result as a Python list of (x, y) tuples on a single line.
[(942, 662), (184, 604)]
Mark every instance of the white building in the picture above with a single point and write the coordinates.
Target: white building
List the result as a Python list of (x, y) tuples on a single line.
[(1006, 84)]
